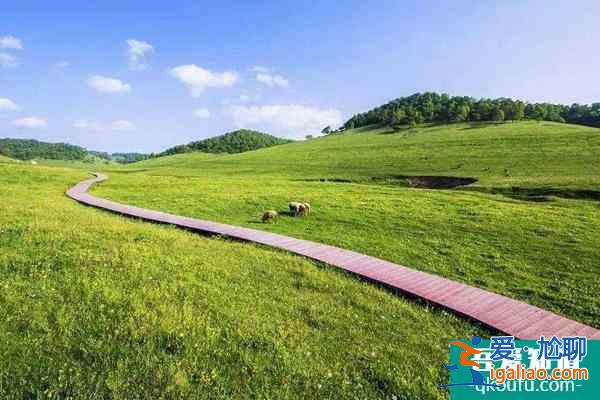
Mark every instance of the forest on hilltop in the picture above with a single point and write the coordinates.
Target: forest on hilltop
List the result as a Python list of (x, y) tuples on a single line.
[(441, 108), (28, 149), (232, 142)]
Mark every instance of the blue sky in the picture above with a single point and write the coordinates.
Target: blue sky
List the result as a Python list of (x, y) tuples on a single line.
[(196, 69)]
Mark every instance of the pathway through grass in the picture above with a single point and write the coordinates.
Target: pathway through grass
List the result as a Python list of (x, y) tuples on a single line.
[(95, 304)]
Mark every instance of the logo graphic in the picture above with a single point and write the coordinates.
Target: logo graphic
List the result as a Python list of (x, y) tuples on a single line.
[(468, 351), (505, 368)]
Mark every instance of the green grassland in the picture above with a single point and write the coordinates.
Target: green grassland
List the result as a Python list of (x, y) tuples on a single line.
[(527, 229), (4, 159), (91, 163), (530, 154), (93, 305)]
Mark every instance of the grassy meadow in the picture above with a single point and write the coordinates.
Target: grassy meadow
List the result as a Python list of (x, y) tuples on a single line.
[(528, 228), (4, 159), (94, 305)]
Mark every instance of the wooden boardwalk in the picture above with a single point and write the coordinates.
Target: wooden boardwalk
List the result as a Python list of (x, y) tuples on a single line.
[(498, 312)]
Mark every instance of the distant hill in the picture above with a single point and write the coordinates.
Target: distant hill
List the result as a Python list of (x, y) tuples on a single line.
[(123, 158), (28, 149), (498, 155), (441, 108), (233, 142), (127, 158)]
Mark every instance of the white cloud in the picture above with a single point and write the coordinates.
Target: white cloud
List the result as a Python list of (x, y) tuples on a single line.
[(260, 68), (202, 113), (30, 123), (242, 98), (198, 78), (289, 120), (107, 85), (122, 125), (10, 42), (119, 125), (136, 52), (85, 124), (8, 104), (62, 64), (6, 60), (81, 124), (272, 80)]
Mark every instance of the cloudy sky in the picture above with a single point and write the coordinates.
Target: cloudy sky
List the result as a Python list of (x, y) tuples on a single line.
[(142, 76)]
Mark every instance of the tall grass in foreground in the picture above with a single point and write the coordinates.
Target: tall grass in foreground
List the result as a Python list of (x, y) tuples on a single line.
[(93, 305)]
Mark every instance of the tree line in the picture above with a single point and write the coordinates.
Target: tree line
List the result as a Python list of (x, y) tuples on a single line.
[(231, 142), (28, 149), (441, 108), (122, 158)]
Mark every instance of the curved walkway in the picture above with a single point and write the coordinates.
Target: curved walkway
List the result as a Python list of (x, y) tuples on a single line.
[(498, 312)]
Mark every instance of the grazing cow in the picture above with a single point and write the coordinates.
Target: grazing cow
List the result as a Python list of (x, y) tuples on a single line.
[(270, 216)]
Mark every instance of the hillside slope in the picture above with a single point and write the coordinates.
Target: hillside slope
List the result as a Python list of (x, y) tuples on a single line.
[(527, 153), (527, 228)]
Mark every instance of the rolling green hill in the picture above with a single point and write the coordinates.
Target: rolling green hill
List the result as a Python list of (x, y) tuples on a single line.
[(526, 153), (232, 142), (28, 149), (441, 108), (526, 228)]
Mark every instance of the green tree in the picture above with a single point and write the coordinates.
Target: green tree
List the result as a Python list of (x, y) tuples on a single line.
[(231, 142), (498, 115), (326, 130), (539, 112), (398, 117), (518, 110), (434, 107), (462, 113)]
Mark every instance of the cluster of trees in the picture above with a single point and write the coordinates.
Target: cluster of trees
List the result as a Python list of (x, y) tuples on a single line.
[(28, 149), (123, 158), (441, 108), (231, 142), (128, 158)]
